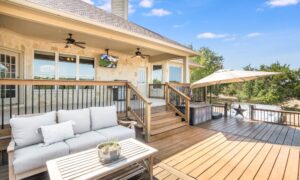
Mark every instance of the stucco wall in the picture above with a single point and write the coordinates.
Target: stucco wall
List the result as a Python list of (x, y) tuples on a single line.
[(25, 46)]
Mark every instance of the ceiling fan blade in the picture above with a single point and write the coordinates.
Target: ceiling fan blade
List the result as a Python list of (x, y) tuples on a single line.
[(79, 45), (133, 56), (80, 42)]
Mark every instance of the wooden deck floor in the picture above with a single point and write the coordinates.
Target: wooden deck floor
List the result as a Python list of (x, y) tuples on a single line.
[(225, 149), (237, 150)]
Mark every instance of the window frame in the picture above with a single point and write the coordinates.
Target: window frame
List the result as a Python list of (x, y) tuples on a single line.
[(56, 60)]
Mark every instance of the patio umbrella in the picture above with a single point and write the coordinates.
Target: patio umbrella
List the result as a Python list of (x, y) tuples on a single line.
[(226, 76)]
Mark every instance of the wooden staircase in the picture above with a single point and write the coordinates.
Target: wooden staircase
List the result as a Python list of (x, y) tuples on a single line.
[(165, 123)]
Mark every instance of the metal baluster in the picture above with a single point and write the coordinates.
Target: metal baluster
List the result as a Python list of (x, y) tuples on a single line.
[(2, 110), (32, 99), (25, 99), (18, 100), (39, 99), (62, 98), (95, 97), (103, 94), (68, 97), (99, 95), (57, 98), (45, 98), (10, 101), (51, 96), (78, 97), (87, 97), (73, 97), (82, 97)]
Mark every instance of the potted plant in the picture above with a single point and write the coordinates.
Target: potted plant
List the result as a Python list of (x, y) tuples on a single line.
[(109, 151)]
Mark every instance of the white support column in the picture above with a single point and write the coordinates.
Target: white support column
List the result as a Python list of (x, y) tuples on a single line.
[(186, 70)]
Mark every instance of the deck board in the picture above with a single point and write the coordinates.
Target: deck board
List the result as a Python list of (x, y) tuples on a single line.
[(225, 149)]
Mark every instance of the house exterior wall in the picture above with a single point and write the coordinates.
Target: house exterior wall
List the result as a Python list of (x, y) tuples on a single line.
[(26, 45)]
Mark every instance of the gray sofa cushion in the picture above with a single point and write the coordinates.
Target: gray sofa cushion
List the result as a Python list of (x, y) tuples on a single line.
[(35, 156), (24, 129), (85, 141), (81, 117), (103, 117), (117, 133)]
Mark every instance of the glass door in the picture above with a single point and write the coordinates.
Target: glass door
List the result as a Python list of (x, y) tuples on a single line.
[(8, 70)]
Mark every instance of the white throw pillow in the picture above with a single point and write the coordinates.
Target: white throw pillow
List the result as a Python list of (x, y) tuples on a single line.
[(57, 132), (81, 117), (24, 129), (103, 117)]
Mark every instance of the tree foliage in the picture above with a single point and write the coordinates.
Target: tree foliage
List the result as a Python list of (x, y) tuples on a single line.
[(210, 61), (272, 89)]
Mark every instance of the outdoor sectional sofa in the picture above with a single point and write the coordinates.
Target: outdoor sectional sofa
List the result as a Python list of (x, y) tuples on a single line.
[(28, 153)]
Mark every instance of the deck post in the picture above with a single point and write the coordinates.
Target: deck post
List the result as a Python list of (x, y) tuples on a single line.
[(167, 95), (251, 112), (148, 122)]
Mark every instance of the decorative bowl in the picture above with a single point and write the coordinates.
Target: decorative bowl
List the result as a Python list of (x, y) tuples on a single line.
[(109, 152)]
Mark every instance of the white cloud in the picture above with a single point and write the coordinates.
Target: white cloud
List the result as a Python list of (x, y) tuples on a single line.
[(209, 35), (159, 12), (88, 1), (281, 3), (181, 25), (255, 34), (146, 3), (131, 9)]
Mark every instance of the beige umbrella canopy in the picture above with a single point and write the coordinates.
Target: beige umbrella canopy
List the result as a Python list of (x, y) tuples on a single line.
[(225, 76)]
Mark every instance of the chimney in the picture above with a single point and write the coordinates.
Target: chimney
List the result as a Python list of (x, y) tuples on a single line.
[(120, 8)]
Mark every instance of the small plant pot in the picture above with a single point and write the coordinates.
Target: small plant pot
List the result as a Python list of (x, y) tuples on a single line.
[(108, 152)]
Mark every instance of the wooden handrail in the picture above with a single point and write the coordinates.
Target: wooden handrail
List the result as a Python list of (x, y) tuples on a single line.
[(179, 92), (60, 82), (180, 84), (145, 99), (187, 100)]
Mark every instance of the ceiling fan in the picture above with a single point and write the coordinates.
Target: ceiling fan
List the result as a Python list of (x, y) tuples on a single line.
[(70, 41), (139, 54)]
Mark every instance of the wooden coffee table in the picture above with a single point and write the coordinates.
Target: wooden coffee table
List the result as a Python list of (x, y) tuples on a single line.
[(86, 165)]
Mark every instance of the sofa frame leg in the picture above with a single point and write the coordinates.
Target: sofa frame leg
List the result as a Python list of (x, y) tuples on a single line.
[(11, 173)]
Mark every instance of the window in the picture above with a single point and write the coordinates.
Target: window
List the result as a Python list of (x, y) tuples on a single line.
[(86, 69), (44, 65), (175, 74), (157, 74), (67, 67)]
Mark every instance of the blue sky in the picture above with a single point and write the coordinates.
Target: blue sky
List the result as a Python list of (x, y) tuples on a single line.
[(242, 31)]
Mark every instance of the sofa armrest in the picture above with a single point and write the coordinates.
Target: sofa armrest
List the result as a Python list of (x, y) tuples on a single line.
[(131, 124), (11, 146)]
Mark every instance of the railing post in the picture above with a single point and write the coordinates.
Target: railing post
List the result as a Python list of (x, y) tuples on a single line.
[(187, 111), (167, 97), (127, 99), (226, 110), (251, 112), (148, 122)]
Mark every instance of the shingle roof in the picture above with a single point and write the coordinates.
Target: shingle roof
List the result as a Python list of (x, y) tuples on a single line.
[(90, 12)]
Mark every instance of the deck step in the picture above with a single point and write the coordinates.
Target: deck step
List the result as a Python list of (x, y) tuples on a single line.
[(160, 133), (162, 115), (155, 124), (167, 128)]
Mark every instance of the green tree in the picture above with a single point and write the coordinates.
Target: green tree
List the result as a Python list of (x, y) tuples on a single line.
[(210, 61)]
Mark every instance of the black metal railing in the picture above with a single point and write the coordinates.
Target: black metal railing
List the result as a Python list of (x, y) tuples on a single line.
[(157, 91), (290, 118), (39, 96)]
